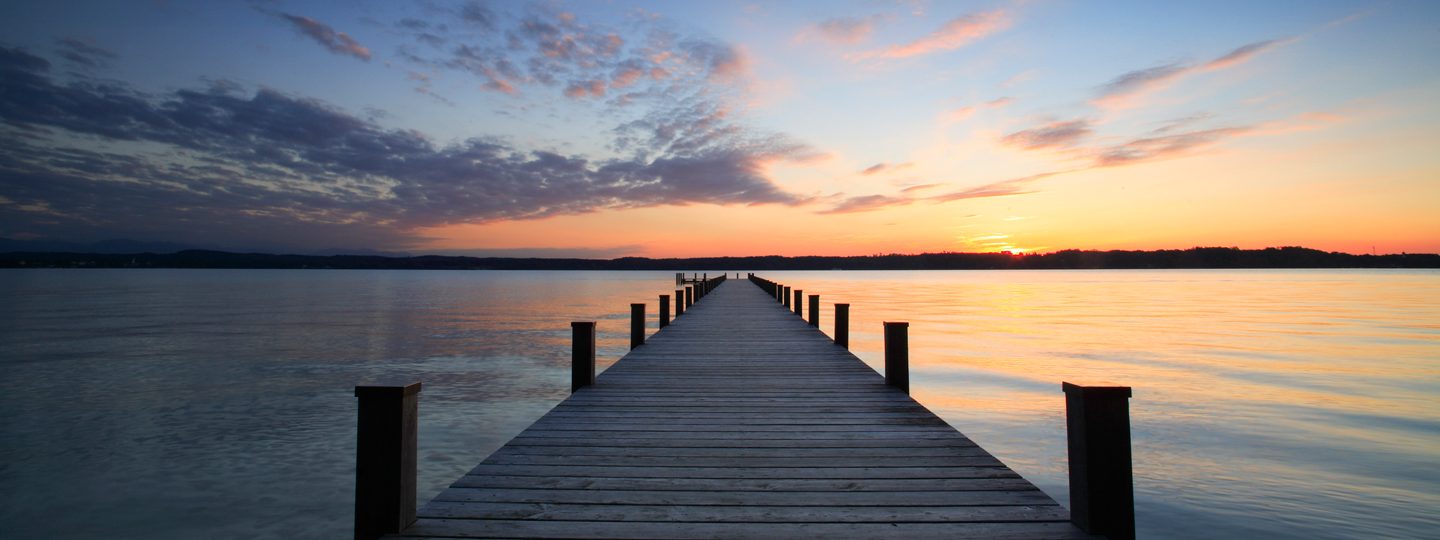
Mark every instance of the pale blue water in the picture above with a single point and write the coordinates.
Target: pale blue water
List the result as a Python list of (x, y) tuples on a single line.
[(218, 404)]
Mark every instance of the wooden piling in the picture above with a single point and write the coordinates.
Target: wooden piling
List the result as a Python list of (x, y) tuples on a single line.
[(385, 459), (664, 310), (582, 355), (637, 325), (842, 325), (799, 300), (679, 302), (1102, 498), (689, 297), (815, 310), (897, 355), (785, 296)]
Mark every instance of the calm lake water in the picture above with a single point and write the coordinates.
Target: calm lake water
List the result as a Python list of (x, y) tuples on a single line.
[(218, 403)]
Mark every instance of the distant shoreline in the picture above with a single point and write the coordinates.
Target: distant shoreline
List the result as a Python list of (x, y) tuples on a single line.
[(1193, 258)]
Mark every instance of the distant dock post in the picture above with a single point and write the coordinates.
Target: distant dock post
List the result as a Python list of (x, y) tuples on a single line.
[(815, 310), (785, 296), (1102, 490), (842, 325), (679, 302), (664, 310), (582, 355), (637, 325), (385, 460), (897, 355), (689, 297), (799, 300)]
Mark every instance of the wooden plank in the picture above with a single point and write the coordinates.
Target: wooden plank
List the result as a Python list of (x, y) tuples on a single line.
[(1008, 483), (742, 514), (857, 473), (741, 421), (1030, 497), (461, 528), (712, 452)]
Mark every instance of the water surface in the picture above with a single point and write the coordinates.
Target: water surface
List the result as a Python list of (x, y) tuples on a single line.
[(218, 403)]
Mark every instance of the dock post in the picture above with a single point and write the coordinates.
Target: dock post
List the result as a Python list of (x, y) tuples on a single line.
[(582, 355), (897, 355), (385, 460), (785, 297), (1102, 489), (664, 310), (799, 298), (815, 310), (689, 297), (637, 325), (679, 302), (842, 325)]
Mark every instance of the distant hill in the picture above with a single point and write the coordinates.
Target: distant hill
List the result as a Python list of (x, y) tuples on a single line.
[(1200, 257)]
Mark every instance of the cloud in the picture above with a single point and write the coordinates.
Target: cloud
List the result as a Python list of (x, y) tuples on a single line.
[(1121, 91), (1126, 90), (541, 49), (220, 166), (1153, 148), (1014, 186), (958, 115), (884, 167), (842, 30), (1004, 188), (956, 33), (1058, 134), (84, 54), (1241, 55), (581, 89), (478, 15), (336, 42), (866, 203)]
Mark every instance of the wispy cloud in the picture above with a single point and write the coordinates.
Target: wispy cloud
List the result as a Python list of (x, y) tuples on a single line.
[(1126, 90), (1059, 134), (866, 203), (1241, 55), (336, 42), (884, 167), (83, 53), (1004, 188), (841, 30), (956, 33), (1154, 148)]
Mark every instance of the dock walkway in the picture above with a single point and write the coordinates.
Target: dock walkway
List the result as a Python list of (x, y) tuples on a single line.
[(740, 420)]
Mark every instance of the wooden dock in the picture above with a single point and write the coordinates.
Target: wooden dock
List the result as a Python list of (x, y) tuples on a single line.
[(741, 420)]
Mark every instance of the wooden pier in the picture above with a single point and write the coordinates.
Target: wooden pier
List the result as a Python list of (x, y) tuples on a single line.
[(738, 419)]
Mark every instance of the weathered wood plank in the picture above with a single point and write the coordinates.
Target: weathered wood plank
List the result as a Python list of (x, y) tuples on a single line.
[(858, 473), (1031, 497), (460, 528), (742, 514), (1008, 483)]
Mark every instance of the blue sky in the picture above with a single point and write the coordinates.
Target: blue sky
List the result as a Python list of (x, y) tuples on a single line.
[(455, 126)]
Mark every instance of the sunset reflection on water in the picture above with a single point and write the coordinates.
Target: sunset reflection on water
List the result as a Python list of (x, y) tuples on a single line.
[(1260, 397)]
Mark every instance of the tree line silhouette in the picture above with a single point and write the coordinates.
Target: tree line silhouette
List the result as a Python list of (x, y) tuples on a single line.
[(1199, 257)]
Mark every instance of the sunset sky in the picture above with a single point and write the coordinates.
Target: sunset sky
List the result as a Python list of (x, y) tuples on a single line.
[(662, 129)]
